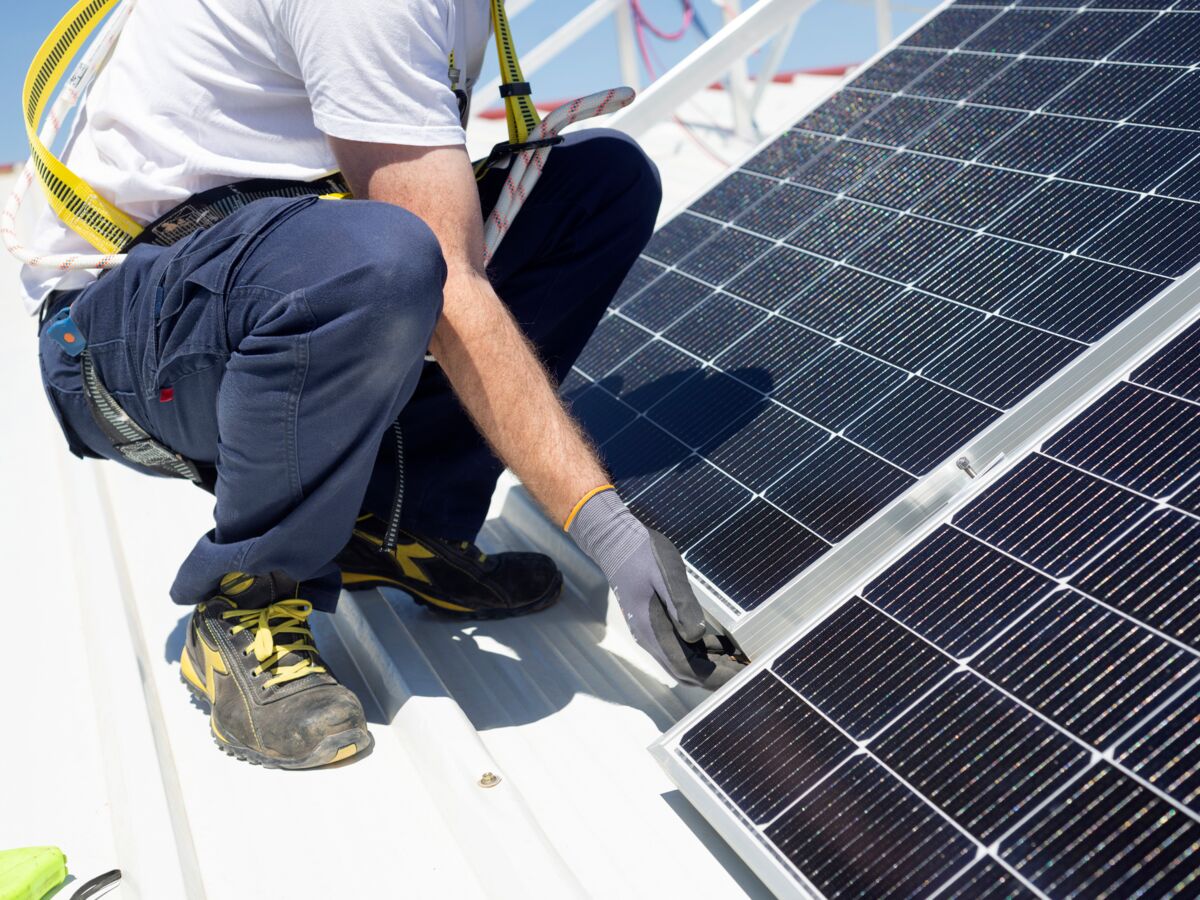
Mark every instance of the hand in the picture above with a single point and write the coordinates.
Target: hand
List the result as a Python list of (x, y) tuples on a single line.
[(648, 576)]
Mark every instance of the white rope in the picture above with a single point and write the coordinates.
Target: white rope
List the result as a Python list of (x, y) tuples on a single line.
[(527, 167), (81, 79)]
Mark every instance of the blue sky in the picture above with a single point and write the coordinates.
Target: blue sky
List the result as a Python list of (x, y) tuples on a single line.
[(832, 32)]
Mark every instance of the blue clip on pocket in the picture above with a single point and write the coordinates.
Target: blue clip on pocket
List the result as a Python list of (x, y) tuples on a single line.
[(64, 332)]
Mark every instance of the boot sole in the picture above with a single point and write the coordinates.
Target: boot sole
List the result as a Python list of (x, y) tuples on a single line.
[(333, 749), (362, 581)]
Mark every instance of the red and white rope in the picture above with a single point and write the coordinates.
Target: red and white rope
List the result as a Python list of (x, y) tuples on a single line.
[(81, 78), (527, 167)]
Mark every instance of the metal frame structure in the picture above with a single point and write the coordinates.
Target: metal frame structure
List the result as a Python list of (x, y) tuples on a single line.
[(808, 595), (776, 872), (771, 22)]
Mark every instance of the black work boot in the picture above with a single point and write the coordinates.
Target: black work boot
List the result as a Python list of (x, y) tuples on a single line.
[(249, 652), (451, 577)]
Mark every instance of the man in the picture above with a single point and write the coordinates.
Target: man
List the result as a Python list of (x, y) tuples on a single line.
[(285, 346)]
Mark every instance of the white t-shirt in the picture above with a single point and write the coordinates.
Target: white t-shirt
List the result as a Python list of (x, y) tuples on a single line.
[(201, 93)]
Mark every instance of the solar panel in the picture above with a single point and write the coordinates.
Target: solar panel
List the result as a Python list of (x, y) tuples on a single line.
[(1012, 707), (983, 224)]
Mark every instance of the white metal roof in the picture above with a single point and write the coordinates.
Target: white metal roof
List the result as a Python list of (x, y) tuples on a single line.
[(105, 756)]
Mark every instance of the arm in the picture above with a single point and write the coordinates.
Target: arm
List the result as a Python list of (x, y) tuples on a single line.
[(485, 356), (508, 395)]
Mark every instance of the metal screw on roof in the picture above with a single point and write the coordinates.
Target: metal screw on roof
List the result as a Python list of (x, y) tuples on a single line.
[(489, 779), (965, 464)]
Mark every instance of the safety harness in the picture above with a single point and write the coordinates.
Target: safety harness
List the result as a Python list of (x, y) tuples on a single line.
[(113, 233)]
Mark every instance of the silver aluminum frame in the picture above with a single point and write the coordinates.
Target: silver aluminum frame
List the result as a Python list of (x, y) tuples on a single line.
[(784, 879), (809, 592)]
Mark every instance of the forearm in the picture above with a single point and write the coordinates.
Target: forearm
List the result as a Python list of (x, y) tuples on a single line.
[(491, 366), (509, 396)]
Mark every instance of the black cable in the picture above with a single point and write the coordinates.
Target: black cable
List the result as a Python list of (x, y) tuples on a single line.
[(97, 884)]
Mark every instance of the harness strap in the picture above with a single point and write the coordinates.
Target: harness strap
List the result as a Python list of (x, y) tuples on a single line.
[(127, 437)]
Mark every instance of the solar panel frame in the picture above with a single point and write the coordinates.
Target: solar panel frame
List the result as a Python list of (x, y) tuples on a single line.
[(1138, 768), (758, 627)]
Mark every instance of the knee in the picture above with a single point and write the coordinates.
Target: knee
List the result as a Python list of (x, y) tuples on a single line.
[(626, 173), (399, 261)]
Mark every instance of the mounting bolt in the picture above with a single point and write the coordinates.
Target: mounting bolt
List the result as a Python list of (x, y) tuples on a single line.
[(489, 779), (965, 464)]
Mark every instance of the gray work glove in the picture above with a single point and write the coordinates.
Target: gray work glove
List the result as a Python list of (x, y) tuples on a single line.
[(647, 574)]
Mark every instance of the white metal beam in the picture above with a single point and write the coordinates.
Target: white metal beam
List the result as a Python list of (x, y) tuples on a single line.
[(708, 63)]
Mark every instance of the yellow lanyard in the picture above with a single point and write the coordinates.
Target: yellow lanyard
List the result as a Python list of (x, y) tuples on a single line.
[(103, 225), (73, 200)]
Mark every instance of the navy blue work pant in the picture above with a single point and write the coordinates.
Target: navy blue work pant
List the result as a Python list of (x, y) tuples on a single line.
[(280, 344)]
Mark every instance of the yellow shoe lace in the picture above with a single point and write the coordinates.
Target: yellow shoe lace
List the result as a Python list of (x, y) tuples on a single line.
[(288, 617)]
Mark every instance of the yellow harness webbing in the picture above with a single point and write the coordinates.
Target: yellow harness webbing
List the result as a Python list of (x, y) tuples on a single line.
[(106, 227), (73, 200), (518, 105)]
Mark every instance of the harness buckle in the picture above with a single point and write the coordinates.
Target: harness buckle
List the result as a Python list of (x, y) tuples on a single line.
[(504, 150)]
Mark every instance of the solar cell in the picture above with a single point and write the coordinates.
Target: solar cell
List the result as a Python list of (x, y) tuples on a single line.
[(733, 195), (957, 592), (713, 325), (778, 277), (1063, 214), (1001, 361), (987, 880), (977, 195), (688, 501), (1044, 143), (896, 69), (1016, 31), (956, 76), (841, 299), (1134, 157), (840, 112), (840, 166), (861, 669), (795, 750), (1093, 35), (912, 329), (1087, 669), (757, 570), (981, 757), (836, 488), (901, 181), (665, 300), (908, 247), (861, 833), (1178, 106), (1171, 40), (785, 155), (1149, 574), (1165, 750), (838, 386), (1110, 91), (965, 131), (900, 120), (679, 237), (1150, 845), (921, 254), (724, 255), (778, 215), (920, 425), (1028, 83), (1026, 678), (1082, 299), (987, 271)]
